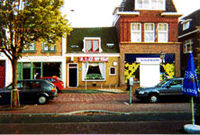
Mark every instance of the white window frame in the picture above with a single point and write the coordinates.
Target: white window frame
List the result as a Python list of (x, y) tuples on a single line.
[(136, 32), (110, 71), (166, 32), (91, 38), (48, 49), (150, 5), (149, 32), (30, 48), (186, 25), (85, 67), (188, 46)]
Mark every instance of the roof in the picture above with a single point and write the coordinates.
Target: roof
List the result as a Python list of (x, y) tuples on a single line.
[(129, 5), (195, 17), (107, 35)]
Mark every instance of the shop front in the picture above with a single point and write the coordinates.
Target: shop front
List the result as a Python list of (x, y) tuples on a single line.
[(41, 66), (93, 71)]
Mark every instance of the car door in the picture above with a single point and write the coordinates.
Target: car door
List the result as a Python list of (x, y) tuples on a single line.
[(175, 87)]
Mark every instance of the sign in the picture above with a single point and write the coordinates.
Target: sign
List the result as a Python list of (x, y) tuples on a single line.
[(190, 82), (93, 59), (148, 60)]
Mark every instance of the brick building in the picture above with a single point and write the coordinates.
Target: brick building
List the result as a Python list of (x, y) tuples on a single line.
[(189, 36), (92, 57), (148, 38)]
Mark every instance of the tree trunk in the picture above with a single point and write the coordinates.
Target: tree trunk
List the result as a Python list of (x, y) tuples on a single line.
[(14, 95)]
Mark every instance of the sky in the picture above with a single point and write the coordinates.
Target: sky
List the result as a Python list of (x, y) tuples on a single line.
[(98, 13)]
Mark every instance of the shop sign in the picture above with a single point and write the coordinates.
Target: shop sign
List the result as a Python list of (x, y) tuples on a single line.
[(93, 59)]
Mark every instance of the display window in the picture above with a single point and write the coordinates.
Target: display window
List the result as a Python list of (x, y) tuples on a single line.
[(93, 71)]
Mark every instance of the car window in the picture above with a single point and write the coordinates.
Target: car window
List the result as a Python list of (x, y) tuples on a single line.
[(32, 85), (53, 80), (176, 83)]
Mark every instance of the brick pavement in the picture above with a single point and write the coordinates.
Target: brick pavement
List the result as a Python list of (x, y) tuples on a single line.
[(70, 102)]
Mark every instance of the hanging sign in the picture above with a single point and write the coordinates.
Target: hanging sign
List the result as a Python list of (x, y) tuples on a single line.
[(93, 59)]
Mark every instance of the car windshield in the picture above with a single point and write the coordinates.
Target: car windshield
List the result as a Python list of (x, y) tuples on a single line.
[(162, 83)]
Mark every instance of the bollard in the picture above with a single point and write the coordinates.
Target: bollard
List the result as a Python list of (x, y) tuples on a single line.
[(131, 81)]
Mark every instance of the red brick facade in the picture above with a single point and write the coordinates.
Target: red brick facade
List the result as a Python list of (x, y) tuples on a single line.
[(123, 26)]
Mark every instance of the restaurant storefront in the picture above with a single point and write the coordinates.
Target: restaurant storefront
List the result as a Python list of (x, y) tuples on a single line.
[(93, 71)]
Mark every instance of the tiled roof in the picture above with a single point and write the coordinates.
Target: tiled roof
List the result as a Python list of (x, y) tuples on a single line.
[(129, 5), (107, 35), (195, 17)]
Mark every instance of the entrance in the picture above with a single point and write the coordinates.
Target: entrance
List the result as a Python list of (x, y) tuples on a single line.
[(2, 74), (73, 75)]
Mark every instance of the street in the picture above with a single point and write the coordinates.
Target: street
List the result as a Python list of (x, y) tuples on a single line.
[(102, 113)]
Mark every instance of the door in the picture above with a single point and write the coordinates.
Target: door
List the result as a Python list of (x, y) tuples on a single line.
[(73, 75), (2, 74)]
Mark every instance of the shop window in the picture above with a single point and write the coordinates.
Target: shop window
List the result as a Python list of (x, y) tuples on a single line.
[(136, 32), (92, 45), (162, 32), (150, 4), (48, 48), (29, 48), (149, 32), (112, 71), (93, 71)]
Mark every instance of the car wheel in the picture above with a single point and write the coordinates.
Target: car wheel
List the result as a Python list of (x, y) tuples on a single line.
[(153, 98), (42, 99)]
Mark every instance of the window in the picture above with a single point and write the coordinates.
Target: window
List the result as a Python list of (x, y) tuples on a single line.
[(29, 48), (92, 45), (135, 32), (93, 71), (49, 48), (162, 32), (150, 4), (149, 35), (188, 46), (186, 25), (112, 71)]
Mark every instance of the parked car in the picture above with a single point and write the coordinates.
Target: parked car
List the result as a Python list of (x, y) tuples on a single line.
[(56, 81), (31, 90), (165, 89)]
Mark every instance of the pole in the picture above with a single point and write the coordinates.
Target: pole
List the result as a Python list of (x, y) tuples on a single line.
[(192, 107), (130, 99)]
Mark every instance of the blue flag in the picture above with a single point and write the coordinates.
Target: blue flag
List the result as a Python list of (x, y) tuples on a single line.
[(190, 82)]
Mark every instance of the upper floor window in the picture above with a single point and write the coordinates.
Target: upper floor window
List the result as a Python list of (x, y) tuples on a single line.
[(149, 32), (29, 47), (150, 4), (186, 25), (92, 45), (48, 48), (136, 32), (188, 46), (162, 32)]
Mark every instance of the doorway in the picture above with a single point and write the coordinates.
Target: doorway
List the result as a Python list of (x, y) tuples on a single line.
[(73, 75), (2, 74)]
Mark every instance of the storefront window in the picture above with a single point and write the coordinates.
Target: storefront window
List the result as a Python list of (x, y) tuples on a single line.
[(93, 71)]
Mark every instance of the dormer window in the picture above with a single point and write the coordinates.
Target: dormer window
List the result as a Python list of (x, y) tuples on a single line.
[(92, 45), (150, 4), (186, 24)]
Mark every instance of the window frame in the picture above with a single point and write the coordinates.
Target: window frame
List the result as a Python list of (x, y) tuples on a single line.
[(188, 44), (49, 50), (111, 74), (149, 31), (91, 39), (136, 32), (28, 49), (186, 25), (163, 31), (150, 5)]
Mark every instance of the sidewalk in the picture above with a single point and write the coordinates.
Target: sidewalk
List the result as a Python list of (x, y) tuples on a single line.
[(83, 103)]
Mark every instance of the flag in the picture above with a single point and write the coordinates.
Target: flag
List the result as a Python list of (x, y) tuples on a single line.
[(190, 82)]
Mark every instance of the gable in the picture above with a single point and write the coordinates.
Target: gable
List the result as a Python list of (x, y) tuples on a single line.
[(107, 34)]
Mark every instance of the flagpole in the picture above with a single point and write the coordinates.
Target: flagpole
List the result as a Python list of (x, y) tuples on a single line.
[(192, 107)]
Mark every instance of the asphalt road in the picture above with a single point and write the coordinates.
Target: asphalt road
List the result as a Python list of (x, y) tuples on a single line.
[(138, 123)]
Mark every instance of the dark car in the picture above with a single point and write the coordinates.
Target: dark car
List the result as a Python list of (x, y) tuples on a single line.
[(31, 90), (165, 89), (56, 81)]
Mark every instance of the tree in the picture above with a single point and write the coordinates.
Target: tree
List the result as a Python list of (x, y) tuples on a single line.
[(26, 21)]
